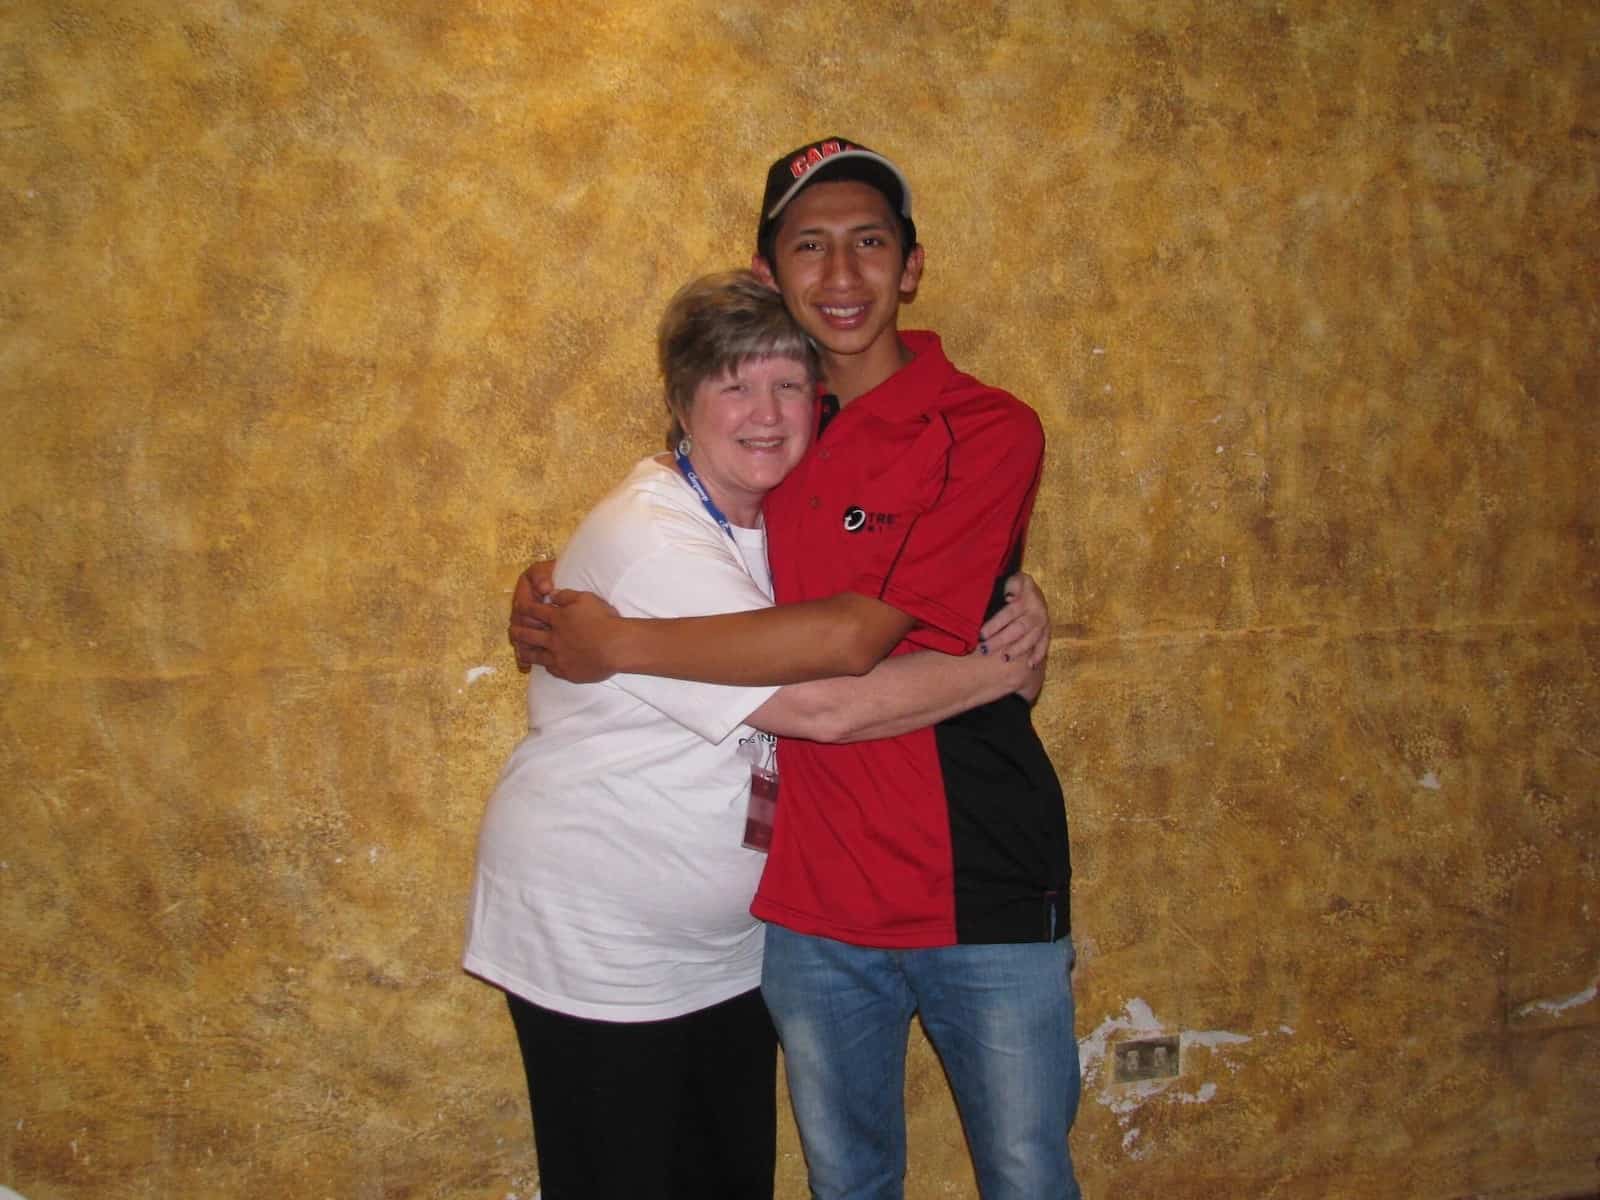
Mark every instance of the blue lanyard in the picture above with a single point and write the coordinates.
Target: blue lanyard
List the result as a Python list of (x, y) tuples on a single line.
[(705, 496)]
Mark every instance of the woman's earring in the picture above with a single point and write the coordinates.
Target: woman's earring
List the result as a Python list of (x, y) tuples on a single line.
[(686, 446)]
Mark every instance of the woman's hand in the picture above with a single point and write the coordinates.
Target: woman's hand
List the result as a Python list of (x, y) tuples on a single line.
[(1021, 629), (1032, 685)]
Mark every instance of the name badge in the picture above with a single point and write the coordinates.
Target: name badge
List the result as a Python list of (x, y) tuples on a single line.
[(761, 810)]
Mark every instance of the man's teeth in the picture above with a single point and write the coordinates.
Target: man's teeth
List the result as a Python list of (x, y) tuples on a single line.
[(852, 311)]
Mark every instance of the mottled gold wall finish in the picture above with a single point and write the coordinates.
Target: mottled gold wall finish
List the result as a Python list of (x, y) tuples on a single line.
[(317, 320)]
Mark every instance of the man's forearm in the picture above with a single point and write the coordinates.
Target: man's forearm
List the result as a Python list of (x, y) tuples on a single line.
[(900, 694), (845, 634)]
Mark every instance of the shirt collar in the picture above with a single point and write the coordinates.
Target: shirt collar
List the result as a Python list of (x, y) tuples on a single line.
[(909, 392)]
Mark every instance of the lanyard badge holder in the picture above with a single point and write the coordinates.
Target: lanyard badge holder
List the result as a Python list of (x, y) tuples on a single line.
[(760, 751), (762, 810)]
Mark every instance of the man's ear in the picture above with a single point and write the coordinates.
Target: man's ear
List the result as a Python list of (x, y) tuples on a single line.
[(762, 270), (911, 273)]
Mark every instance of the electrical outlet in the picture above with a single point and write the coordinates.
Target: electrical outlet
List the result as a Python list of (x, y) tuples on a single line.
[(1151, 1058)]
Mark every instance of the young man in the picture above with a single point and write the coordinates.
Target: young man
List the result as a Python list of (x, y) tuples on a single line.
[(926, 873)]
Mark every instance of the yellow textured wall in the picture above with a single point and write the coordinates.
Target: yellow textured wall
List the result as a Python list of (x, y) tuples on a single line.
[(318, 319)]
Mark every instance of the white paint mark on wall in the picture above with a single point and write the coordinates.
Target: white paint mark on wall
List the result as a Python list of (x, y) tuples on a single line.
[(1213, 1038), (1092, 1049), (1139, 1020), (476, 673), (1124, 1100), (1553, 1007), (1430, 781), (1130, 1097)]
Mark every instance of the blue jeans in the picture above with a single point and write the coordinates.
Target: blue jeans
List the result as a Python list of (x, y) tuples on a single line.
[(1001, 1019)]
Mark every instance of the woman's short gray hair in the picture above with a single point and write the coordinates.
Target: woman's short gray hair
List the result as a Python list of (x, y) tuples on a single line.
[(715, 323)]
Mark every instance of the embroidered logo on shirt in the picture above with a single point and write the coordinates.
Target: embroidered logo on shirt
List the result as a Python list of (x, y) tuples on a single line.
[(857, 518)]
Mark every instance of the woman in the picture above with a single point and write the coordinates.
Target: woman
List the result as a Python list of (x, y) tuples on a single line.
[(614, 876)]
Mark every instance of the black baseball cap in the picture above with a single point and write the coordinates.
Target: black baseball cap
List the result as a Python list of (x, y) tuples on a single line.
[(833, 158)]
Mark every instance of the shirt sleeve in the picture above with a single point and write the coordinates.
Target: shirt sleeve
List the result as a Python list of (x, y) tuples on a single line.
[(692, 571), (971, 529)]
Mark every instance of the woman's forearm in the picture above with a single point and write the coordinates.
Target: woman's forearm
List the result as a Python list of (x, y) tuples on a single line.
[(900, 694)]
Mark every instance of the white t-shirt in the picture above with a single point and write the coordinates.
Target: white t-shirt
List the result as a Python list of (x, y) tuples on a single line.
[(611, 883)]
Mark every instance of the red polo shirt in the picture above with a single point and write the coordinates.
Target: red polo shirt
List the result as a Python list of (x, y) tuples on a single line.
[(918, 494)]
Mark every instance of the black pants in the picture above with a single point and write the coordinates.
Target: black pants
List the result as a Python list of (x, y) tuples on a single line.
[(682, 1109)]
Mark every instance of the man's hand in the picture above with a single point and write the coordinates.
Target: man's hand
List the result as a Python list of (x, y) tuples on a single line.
[(568, 634), (1021, 629), (527, 628)]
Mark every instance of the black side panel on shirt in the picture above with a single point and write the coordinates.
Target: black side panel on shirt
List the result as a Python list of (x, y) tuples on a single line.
[(1008, 822)]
